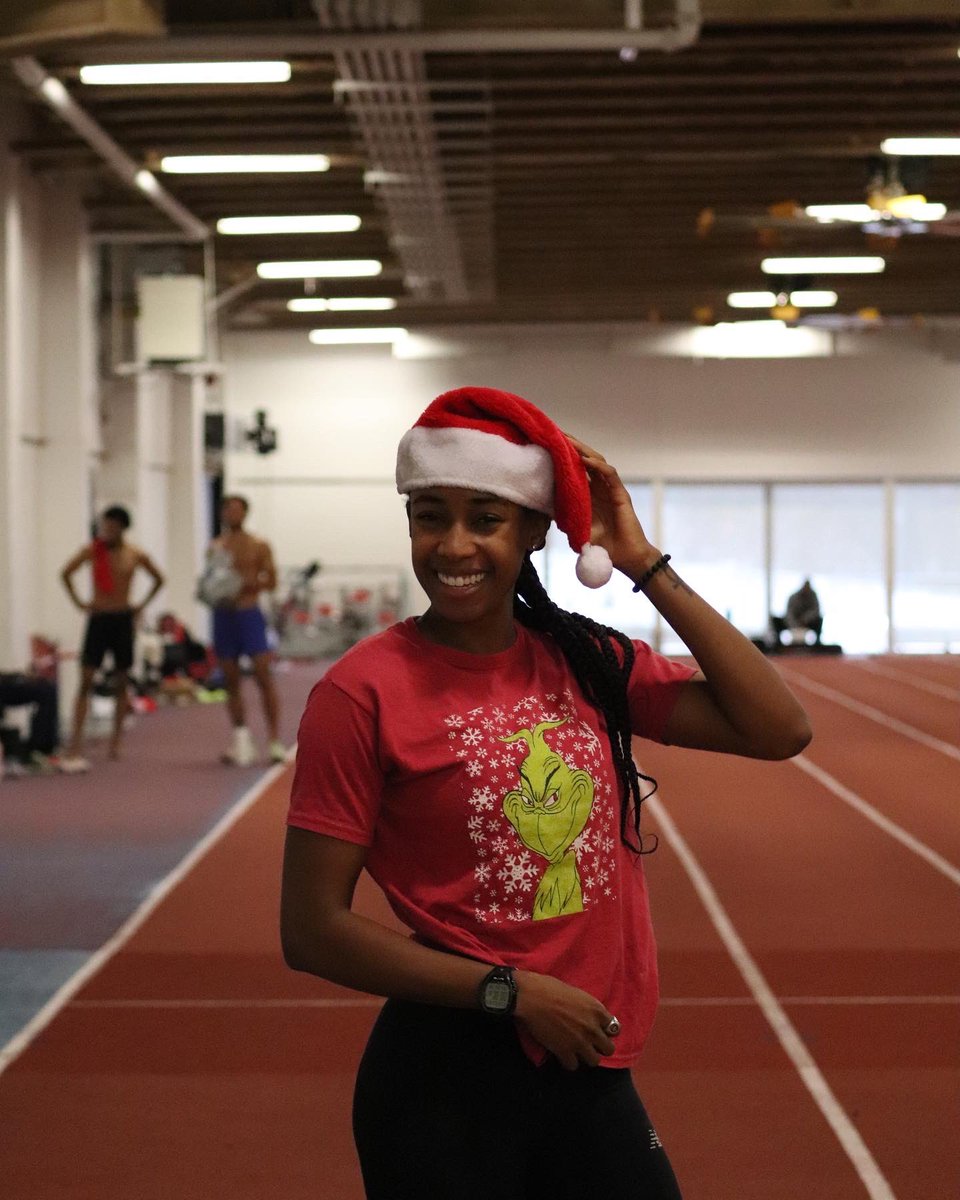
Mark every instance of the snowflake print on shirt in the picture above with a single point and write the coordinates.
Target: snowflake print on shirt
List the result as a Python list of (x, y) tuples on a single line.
[(537, 809)]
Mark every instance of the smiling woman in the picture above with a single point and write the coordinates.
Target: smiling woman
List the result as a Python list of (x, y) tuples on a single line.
[(476, 760), (467, 549)]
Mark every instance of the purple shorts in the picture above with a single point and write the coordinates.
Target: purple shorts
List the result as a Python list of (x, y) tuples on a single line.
[(239, 631)]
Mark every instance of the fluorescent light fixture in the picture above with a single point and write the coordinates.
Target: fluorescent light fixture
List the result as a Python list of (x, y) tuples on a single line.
[(915, 208), (861, 264), (842, 212), (356, 337), (808, 299), (332, 268), (239, 164), (921, 146), (814, 299), (751, 299), (344, 223), (342, 304), (185, 72)]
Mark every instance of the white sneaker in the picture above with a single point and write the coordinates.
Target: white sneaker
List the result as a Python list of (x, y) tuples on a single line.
[(278, 752), (73, 765), (242, 752)]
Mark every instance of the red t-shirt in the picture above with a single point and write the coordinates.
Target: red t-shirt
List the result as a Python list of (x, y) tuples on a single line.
[(484, 787)]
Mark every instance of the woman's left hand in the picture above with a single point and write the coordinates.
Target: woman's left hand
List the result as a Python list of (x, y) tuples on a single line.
[(615, 526)]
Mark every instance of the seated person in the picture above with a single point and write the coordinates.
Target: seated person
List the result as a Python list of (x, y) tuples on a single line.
[(802, 616), (183, 654), (20, 690)]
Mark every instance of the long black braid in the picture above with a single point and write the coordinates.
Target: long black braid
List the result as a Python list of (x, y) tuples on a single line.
[(602, 675)]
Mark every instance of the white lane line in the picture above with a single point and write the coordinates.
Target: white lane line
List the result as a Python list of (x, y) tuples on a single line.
[(937, 861), (665, 1001), (847, 1134), (874, 714), (869, 1000), (802, 1001), (914, 681), (359, 1002), (41, 1019)]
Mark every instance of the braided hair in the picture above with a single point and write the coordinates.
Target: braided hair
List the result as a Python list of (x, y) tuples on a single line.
[(602, 673)]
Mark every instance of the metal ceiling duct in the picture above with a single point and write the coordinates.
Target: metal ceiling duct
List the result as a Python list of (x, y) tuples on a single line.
[(384, 91), (441, 221)]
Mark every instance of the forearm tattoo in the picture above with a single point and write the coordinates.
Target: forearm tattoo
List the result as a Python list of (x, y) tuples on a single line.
[(675, 581)]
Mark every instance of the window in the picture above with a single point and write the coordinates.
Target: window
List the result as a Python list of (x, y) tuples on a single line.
[(715, 533), (926, 594), (833, 535)]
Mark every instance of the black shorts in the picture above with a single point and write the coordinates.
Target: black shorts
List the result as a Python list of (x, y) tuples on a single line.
[(111, 631)]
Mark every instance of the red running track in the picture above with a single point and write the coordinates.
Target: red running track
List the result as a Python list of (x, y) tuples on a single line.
[(194, 1065)]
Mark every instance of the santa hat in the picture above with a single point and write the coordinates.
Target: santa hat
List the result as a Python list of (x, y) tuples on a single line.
[(495, 442)]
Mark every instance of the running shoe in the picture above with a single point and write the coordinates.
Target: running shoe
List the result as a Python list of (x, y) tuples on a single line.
[(74, 765), (242, 751)]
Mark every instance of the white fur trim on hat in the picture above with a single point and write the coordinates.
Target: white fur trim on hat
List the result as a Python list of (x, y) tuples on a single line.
[(470, 458)]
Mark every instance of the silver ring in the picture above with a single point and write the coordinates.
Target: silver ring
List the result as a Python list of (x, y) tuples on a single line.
[(613, 1027)]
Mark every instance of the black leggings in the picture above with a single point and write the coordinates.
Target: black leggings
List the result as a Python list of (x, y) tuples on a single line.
[(448, 1107)]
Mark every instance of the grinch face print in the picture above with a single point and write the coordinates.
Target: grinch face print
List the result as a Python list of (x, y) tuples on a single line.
[(548, 811), (539, 808)]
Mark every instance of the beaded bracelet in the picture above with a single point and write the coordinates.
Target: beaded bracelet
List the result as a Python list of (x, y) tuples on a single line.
[(650, 572)]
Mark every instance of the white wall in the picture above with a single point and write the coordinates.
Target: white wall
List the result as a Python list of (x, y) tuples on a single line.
[(888, 407)]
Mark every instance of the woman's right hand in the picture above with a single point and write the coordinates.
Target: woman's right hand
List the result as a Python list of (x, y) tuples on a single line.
[(568, 1022)]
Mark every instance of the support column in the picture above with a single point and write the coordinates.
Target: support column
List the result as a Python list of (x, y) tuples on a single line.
[(69, 401), (137, 467), (153, 464), (20, 433), (188, 520)]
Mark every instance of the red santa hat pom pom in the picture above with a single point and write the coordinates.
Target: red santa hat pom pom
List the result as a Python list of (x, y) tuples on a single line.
[(594, 567)]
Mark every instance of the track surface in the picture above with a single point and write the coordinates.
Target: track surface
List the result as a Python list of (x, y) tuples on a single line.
[(807, 1045)]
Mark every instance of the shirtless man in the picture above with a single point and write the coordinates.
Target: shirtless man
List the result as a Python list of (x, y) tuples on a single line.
[(239, 629), (110, 624)]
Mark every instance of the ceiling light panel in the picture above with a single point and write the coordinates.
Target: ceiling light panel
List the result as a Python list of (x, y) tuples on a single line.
[(803, 299), (233, 164), (335, 268), (342, 304), (344, 223), (921, 146), (135, 74), (862, 264)]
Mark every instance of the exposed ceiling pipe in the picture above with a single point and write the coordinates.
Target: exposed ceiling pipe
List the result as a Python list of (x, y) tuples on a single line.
[(683, 32), (53, 93)]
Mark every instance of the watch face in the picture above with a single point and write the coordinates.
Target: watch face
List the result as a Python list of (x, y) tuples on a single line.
[(497, 995)]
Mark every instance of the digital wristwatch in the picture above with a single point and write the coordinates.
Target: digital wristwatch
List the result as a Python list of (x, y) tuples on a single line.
[(498, 992)]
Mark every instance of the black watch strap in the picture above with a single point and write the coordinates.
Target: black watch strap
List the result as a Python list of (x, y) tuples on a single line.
[(498, 992)]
